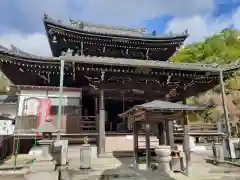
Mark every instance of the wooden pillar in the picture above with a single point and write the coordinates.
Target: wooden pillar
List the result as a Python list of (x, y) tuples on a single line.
[(101, 124), (148, 151), (170, 133), (162, 135), (164, 132), (96, 107), (224, 99), (96, 113), (135, 143), (186, 147), (124, 120), (226, 116)]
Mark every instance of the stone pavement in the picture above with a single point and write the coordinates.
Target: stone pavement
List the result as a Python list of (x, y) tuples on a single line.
[(112, 168), (121, 169)]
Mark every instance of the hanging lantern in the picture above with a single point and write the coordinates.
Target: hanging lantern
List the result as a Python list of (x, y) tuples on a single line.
[(54, 39)]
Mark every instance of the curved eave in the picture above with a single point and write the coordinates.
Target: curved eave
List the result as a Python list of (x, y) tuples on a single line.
[(140, 63), (113, 62), (231, 67), (37, 59), (51, 23), (120, 62)]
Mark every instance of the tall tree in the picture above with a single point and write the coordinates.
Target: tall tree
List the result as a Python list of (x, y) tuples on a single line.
[(221, 48)]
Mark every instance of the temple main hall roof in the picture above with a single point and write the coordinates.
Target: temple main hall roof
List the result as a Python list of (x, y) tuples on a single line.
[(110, 41), (23, 68), (20, 55), (104, 29)]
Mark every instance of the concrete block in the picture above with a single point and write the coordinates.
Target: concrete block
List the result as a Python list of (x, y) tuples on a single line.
[(60, 152)]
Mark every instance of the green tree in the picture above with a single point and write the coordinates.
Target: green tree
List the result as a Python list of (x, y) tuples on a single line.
[(221, 48), (4, 83)]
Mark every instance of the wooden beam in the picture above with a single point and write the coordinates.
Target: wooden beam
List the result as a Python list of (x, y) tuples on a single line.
[(135, 143), (129, 86), (148, 151), (186, 147)]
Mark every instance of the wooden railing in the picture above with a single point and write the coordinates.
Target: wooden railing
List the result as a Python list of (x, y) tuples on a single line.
[(200, 129), (88, 124)]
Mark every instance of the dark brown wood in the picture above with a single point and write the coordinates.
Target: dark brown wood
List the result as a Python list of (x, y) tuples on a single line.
[(170, 133), (140, 116), (164, 133), (148, 151), (101, 124), (186, 147), (135, 143), (129, 86)]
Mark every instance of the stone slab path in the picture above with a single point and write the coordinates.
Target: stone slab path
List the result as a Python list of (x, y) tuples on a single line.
[(121, 169)]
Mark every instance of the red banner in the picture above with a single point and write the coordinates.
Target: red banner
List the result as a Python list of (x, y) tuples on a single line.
[(45, 106)]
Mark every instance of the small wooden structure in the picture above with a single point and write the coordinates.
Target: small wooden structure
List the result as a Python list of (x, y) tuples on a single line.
[(161, 113)]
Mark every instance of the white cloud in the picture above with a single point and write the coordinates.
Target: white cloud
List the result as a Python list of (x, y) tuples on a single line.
[(133, 12), (201, 26), (236, 18), (121, 12), (191, 14), (34, 43)]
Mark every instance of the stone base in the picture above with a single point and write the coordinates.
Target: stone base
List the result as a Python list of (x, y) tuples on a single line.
[(60, 152), (163, 158), (164, 164)]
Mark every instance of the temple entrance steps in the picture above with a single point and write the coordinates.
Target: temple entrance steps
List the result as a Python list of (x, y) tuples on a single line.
[(88, 124)]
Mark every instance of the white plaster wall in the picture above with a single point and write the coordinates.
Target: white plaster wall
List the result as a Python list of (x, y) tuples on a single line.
[(69, 99)]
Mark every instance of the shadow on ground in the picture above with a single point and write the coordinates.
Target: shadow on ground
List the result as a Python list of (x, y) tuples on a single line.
[(126, 170)]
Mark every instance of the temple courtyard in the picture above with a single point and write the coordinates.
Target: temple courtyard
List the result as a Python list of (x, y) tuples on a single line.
[(121, 169)]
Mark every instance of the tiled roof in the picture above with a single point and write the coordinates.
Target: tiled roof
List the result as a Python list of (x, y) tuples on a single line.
[(105, 29), (5, 99), (20, 52), (109, 30), (142, 63), (163, 106), (122, 62), (17, 51)]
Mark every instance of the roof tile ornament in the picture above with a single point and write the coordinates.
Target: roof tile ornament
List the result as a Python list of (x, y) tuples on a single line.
[(106, 29)]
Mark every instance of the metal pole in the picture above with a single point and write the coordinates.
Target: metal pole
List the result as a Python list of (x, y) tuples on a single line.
[(60, 99), (224, 99)]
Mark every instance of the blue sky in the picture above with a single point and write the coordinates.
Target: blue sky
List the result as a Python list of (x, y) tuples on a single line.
[(21, 20)]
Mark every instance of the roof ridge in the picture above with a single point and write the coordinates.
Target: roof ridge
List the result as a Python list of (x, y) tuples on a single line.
[(104, 29), (135, 29), (18, 50)]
